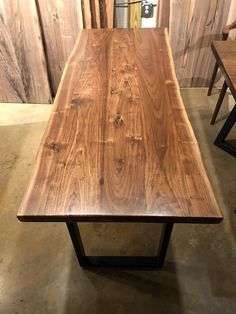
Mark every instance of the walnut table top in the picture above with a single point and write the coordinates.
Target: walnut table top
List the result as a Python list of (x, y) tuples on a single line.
[(119, 145)]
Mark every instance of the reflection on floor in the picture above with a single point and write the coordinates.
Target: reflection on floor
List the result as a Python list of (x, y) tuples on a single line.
[(39, 272)]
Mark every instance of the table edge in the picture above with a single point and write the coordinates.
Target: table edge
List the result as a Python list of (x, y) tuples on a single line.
[(123, 219), (222, 67)]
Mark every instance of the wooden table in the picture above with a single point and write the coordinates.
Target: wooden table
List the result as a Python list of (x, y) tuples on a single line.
[(225, 55), (119, 146)]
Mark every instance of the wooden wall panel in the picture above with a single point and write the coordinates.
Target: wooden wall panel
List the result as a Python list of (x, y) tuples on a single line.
[(95, 13), (11, 84), (163, 13), (24, 75), (98, 13), (194, 24), (23, 72), (107, 8), (86, 11), (61, 21), (135, 15), (110, 8)]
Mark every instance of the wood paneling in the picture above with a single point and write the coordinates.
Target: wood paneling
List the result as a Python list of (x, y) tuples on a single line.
[(23, 71), (61, 21), (27, 76), (193, 26), (98, 13), (110, 12), (163, 13), (129, 153), (11, 84), (95, 13), (37, 38), (86, 11), (107, 13), (134, 15)]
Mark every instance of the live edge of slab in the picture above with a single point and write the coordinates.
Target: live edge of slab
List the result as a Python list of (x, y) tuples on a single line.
[(119, 145)]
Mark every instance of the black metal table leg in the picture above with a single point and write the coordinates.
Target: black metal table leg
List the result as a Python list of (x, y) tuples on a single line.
[(219, 102), (77, 242), (120, 261), (220, 139), (164, 242)]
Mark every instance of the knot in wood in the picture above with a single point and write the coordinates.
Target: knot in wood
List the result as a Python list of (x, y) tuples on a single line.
[(75, 102), (126, 83), (56, 15), (101, 181), (114, 91), (131, 100), (118, 120), (121, 161), (136, 139), (54, 146)]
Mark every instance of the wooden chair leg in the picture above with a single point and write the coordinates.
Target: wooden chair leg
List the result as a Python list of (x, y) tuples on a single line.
[(219, 102), (212, 79)]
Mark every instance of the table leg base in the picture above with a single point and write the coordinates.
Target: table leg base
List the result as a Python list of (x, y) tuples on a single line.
[(120, 261), (220, 139)]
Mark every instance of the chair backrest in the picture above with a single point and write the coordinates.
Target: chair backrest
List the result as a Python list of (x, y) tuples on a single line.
[(226, 30)]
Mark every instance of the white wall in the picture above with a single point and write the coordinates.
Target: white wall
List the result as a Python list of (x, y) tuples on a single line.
[(151, 22), (122, 16)]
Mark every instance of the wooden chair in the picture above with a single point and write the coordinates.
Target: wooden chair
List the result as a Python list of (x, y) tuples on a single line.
[(225, 34)]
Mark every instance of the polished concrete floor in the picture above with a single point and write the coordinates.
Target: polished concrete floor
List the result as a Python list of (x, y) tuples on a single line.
[(39, 272)]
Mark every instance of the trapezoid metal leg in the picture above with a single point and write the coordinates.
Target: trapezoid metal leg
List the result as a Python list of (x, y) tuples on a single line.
[(219, 102), (164, 242), (77, 242), (120, 261), (220, 139)]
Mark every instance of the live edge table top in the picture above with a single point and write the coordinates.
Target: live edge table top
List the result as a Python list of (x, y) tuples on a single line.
[(119, 145)]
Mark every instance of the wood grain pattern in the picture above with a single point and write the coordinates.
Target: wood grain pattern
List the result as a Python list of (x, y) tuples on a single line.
[(61, 21), (110, 12), (163, 15), (107, 13), (95, 13), (193, 27), (135, 15), (24, 72), (11, 84), (119, 145), (225, 52), (86, 12)]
